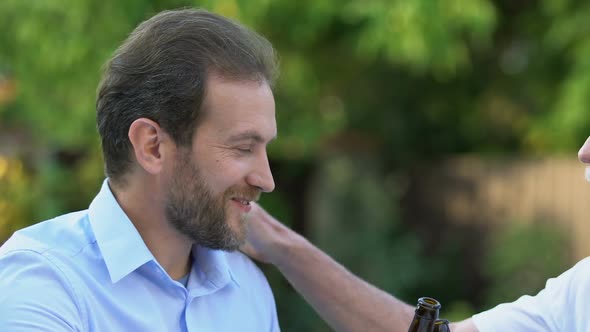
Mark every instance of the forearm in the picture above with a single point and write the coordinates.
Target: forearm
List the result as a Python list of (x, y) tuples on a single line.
[(343, 300)]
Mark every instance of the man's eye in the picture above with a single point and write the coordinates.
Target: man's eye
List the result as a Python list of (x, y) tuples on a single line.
[(245, 149)]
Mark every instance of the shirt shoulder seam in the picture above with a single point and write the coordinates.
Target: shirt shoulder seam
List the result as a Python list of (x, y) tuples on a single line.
[(53, 262)]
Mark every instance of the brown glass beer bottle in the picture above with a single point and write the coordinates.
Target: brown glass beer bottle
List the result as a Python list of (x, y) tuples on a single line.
[(441, 325), (425, 315)]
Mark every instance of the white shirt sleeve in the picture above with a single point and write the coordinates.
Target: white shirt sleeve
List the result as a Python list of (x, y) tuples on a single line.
[(563, 305)]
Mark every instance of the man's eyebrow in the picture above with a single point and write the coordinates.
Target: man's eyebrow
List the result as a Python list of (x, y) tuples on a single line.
[(249, 135)]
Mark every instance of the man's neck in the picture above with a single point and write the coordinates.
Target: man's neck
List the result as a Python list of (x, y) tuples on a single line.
[(170, 248)]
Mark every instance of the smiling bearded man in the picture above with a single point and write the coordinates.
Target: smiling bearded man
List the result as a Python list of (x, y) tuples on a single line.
[(185, 112)]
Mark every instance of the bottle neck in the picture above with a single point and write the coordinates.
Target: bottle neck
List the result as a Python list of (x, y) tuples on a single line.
[(427, 308)]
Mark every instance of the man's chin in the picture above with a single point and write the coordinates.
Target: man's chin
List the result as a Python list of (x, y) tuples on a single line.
[(237, 227), (232, 242), (232, 245)]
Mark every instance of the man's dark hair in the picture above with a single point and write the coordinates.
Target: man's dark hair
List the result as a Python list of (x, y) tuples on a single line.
[(160, 73)]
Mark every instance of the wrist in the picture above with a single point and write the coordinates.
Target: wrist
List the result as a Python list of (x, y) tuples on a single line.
[(289, 250)]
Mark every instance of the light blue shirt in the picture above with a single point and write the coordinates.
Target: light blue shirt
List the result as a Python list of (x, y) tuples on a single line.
[(91, 271)]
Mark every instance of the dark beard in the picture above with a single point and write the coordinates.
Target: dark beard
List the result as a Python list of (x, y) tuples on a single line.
[(194, 211)]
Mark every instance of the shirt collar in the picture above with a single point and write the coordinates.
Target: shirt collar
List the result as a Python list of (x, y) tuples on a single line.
[(121, 245), (214, 266)]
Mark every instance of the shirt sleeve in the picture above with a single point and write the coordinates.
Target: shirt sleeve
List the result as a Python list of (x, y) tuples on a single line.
[(550, 310), (35, 295)]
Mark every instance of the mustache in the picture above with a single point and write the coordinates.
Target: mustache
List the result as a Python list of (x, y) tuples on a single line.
[(248, 193)]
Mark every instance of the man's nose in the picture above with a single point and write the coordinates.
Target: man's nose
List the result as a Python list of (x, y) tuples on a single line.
[(584, 153), (262, 177)]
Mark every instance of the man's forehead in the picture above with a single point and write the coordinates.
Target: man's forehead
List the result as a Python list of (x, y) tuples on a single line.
[(230, 96), (239, 110), (250, 134)]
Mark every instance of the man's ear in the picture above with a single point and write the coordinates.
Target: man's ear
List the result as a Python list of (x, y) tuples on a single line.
[(147, 139)]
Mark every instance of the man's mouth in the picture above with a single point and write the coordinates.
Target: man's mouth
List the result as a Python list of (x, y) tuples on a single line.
[(242, 203), (241, 200)]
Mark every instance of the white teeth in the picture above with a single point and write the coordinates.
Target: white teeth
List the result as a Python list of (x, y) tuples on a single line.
[(587, 173), (242, 201)]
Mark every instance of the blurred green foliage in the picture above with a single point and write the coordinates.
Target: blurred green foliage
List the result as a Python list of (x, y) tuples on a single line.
[(401, 81), (521, 257), (354, 220)]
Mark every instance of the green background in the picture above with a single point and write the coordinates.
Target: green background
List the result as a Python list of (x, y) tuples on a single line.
[(368, 88)]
